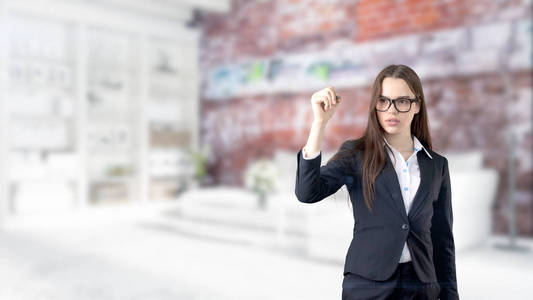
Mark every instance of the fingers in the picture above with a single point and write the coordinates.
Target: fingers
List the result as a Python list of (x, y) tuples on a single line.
[(328, 97), (325, 100), (332, 95), (335, 96)]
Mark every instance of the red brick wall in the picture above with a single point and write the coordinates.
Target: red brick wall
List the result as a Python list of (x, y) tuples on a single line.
[(465, 107)]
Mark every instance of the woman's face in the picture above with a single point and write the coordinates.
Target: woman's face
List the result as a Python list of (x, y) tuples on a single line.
[(394, 88)]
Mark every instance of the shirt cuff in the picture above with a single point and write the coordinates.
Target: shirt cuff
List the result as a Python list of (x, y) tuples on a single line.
[(306, 156)]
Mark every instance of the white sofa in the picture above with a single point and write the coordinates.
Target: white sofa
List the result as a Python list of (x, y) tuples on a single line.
[(328, 224), (473, 194)]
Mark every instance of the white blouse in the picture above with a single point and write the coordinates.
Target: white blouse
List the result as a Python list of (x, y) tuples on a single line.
[(408, 174)]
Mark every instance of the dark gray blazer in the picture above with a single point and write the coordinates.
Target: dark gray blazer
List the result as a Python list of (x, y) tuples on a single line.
[(378, 239)]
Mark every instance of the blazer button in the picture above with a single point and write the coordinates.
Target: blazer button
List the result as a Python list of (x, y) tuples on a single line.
[(405, 226)]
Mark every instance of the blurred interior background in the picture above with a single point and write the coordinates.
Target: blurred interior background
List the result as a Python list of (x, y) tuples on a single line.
[(148, 148)]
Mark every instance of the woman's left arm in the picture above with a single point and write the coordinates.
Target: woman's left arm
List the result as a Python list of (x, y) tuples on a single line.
[(442, 238)]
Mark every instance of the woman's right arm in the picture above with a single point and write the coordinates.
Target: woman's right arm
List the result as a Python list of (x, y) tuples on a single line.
[(313, 182)]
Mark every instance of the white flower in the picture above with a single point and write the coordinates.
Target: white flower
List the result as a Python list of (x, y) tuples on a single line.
[(261, 176)]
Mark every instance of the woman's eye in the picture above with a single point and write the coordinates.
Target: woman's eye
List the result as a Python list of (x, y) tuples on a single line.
[(404, 101)]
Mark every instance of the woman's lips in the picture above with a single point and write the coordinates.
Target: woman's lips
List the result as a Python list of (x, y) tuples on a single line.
[(392, 122)]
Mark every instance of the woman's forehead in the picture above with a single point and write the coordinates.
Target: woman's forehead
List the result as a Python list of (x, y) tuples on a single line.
[(395, 87)]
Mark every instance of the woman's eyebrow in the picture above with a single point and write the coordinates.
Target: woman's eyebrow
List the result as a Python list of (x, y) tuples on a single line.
[(396, 97)]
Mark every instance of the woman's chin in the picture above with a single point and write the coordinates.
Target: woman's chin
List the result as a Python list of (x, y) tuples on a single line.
[(392, 130)]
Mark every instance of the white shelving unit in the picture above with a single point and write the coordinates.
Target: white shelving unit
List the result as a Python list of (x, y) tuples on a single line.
[(96, 106), (170, 78)]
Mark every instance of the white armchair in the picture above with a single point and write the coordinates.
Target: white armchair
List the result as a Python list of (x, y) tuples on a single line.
[(473, 194), (326, 225)]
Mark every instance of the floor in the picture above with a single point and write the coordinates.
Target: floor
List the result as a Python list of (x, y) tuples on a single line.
[(149, 251)]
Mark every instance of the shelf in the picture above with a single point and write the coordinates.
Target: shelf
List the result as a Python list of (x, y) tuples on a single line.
[(120, 69), (103, 82), (55, 179), (41, 60), (166, 177), (111, 179), (62, 118), (110, 120), (110, 152)]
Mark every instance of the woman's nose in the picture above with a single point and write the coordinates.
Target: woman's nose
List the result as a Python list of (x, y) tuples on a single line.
[(392, 108)]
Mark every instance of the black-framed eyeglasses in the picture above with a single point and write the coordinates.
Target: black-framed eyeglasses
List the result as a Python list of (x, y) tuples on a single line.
[(402, 104)]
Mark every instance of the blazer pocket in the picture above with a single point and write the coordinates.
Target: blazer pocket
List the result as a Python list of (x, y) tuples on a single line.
[(368, 227), (434, 193)]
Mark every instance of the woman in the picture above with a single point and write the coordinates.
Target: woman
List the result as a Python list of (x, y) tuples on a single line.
[(402, 245)]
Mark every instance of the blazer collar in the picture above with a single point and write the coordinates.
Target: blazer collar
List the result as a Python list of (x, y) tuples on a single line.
[(417, 145)]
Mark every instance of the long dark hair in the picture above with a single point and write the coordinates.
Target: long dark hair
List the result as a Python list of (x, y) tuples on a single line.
[(371, 143)]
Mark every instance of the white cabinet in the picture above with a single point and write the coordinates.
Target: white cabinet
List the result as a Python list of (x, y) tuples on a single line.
[(92, 110)]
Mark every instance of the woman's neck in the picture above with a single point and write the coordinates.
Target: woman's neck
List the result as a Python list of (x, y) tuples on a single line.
[(402, 142)]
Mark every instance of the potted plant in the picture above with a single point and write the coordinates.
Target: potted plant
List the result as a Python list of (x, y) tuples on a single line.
[(198, 164), (261, 177)]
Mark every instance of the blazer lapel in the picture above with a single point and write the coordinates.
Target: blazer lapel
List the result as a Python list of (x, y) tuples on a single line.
[(393, 185), (426, 166)]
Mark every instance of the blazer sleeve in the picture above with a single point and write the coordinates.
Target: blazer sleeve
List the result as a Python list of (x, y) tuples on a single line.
[(442, 238), (315, 182)]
